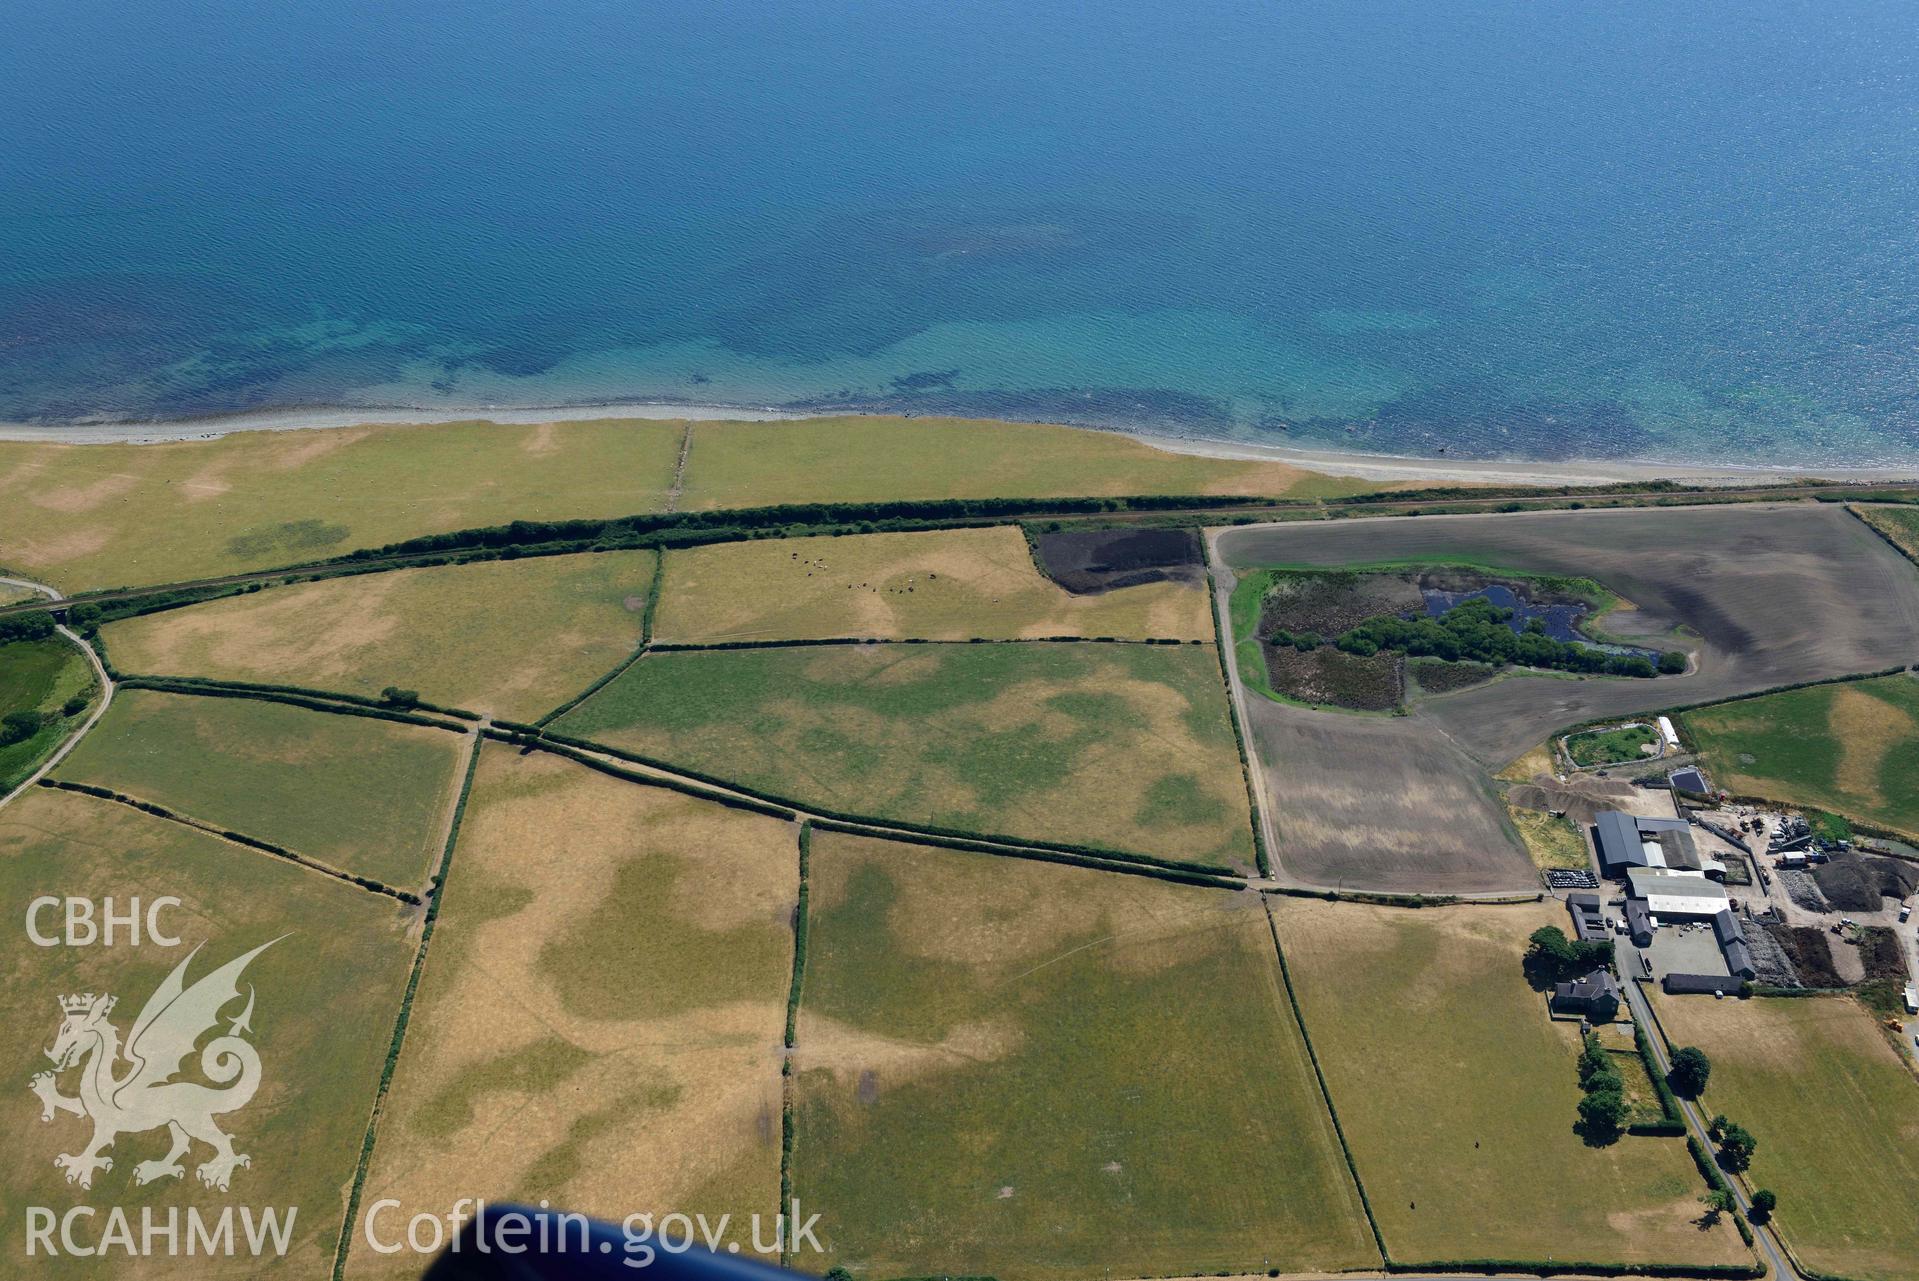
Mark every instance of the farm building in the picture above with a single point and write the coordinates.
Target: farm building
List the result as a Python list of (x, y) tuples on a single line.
[(1639, 922), (1733, 945), (1677, 895), (1589, 921), (1699, 985), (1627, 841), (1667, 732), (1594, 997)]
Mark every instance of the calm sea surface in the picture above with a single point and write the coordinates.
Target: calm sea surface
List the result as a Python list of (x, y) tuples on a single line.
[(1497, 227)]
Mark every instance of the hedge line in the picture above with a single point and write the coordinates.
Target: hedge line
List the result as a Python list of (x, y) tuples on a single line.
[(1381, 899), (1716, 1180), (1325, 1093), (1673, 1122), (238, 838), (536, 742), (786, 805), (908, 836), (406, 1011), (801, 930), (294, 696), (683, 647), (1223, 651), (618, 670), (1538, 1268)]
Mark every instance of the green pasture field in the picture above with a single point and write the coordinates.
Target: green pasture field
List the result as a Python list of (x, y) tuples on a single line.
[(1611, 746), (91, 516), (1018, 1069), (1458, 1096), (944, 585), (367, 796), (40, 675), (1836, 1115), (1123, 746), (325, 996), (600, 1021), (1852, 748), (1898, 523), (512, 637), (880, 459)]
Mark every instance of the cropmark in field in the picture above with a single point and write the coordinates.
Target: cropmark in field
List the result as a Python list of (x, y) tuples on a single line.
[(511, 637), (316, 1007), (602, 1010), (1018, 1069), (1126, 747)]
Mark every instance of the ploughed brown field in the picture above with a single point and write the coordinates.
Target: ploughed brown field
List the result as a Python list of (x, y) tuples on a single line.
[(1762, 595)]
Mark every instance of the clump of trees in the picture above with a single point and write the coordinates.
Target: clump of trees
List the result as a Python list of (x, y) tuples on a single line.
[(1764, 1202), (35, 624), (1479, 631), (1690, 1070), (400, 697), (18, 727), (1603, 1111), (1551, 957), (1736, 1144)]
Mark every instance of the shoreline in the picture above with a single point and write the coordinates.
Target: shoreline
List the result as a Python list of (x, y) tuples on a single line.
[(1356, 464)]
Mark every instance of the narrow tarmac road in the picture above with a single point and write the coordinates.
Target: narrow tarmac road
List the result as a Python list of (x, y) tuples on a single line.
[(99, 674)]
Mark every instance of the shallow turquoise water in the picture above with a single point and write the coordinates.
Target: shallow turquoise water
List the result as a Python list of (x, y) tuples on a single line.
[(1485, 226)]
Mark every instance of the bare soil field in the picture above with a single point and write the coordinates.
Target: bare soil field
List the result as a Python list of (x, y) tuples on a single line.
[(1380, 803), (324, 999), (942, 585), (1025, 1070), (602, 1010), (1458, 1095), (1100, 560), (1766, 594), (514, 638)]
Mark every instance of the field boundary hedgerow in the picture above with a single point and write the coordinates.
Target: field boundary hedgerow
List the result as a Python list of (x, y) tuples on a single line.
[(435, 895), (1222, 652), (316, 700), (801, 931), (232, 837)]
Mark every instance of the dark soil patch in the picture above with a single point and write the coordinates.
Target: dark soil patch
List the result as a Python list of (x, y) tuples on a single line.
[(1089, 561), (1331, 676), (1329, 604), (1437, 676), (1856, 883), (1879, 951), (1580, 799), (1807, 947)]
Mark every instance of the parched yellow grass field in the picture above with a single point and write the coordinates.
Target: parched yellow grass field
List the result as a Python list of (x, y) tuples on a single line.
[(1898, 522), (1458, 1096), (1836, 1115), (1026, 1070), (514, 638), (879, 459), (325, 995), (601, 1016), (940, 585), (1551, 842), (89, 516)]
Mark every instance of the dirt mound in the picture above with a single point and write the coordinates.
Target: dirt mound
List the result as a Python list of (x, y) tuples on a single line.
[(1802, 889), (1089, 561), (1810, 953), (1880, 953), (1856, 883), (1580, 800)]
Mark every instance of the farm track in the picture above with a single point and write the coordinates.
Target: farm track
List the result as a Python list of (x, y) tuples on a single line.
[(99, 673), (1304, 511)]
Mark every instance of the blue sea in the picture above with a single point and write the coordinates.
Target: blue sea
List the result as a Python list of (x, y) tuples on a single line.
[(1544, 228)]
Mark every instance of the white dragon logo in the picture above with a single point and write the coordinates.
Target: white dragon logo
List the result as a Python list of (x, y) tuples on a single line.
[(144, 1096)]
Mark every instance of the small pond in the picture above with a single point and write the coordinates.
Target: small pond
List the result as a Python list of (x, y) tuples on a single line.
[(1561, 620)]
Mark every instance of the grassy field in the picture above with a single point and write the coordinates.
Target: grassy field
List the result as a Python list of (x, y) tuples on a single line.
[(514, 638), (601, 1016), (1899, 523), (365, 796), (325, 998), (1851, 748), (84, 516), (1458, 1096), (1024, 1070), (1125, 746), (1551, 842), (1612, 746), (40, 676), (947, 585), (1837, 1119), (877, 459)]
